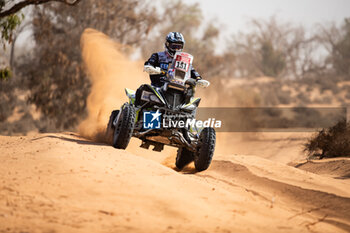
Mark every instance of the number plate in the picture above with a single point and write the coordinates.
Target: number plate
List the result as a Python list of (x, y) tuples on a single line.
[(182, 63)]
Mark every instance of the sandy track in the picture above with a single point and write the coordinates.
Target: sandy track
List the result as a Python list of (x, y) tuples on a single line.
[(64, 183), (338, 168)]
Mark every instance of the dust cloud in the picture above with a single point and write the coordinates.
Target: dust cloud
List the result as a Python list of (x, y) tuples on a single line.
[(110, 71)]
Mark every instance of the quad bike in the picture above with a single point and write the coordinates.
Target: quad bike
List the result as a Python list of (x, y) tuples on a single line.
[(175, 102)]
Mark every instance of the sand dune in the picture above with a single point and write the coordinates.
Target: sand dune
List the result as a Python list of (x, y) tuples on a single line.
[(64, 183), (338, 168)]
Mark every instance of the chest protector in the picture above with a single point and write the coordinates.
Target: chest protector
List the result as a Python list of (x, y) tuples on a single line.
[(164, 60)]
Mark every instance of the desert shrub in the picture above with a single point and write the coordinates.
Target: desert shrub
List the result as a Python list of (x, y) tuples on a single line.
[(303, 98), (318, 100), (327, 100), (308, 81), (309, 88), (341, 100), (347, 91), (346, 88), (330, 142), (327, 84), (7, 98), (269, 97), (283, 96), (334, 89)]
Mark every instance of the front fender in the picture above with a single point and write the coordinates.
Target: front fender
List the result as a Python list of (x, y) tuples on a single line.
[(131, 95), (156, 93)]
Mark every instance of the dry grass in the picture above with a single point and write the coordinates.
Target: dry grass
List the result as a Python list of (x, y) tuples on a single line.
[(330, 142)]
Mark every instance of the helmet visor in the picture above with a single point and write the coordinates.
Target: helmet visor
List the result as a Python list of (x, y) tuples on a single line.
[(176, 46)]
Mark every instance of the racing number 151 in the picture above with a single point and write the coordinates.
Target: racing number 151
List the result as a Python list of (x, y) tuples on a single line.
[(181, 65)]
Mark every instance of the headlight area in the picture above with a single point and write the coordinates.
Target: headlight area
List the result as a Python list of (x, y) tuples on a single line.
[(154, 98), (149, 96)]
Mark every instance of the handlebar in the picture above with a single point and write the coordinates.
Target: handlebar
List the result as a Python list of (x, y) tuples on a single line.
[(152, 70), (157, 70)]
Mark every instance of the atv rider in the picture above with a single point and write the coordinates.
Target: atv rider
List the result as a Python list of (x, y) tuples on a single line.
[(174, 42)]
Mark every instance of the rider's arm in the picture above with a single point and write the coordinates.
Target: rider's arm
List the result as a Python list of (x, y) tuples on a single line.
[(152, 66), (153, 60)]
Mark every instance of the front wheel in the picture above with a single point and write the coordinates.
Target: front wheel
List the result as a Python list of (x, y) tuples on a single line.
[(205, 151), (124, 126), (183, 157), (110, 127)]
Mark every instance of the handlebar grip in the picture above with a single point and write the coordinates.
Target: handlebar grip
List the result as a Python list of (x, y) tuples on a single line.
[(191, 82)]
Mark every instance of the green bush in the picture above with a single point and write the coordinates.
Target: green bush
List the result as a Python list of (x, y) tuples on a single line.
[(5, 73), (330, 142)]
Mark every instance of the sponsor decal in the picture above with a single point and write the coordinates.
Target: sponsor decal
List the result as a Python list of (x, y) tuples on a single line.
[(164, 66)]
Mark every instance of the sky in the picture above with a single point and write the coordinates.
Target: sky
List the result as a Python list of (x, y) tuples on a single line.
[(234, 14)]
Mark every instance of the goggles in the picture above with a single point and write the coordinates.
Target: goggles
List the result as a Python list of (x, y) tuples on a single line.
[(176, 46)]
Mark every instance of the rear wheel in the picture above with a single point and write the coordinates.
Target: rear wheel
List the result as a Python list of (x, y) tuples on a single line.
[(183, 157), (205, 151), (124, 127)]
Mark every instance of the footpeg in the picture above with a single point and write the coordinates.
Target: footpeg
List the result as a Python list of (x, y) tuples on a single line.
[(145, 145), (158, 147)]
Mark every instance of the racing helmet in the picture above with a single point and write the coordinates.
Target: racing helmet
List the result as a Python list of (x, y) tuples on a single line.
[(174, 42)]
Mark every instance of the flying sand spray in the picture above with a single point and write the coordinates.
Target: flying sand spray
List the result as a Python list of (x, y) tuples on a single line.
[(110, 72)]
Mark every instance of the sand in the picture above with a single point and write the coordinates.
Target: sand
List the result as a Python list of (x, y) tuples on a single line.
[(65, 183)]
